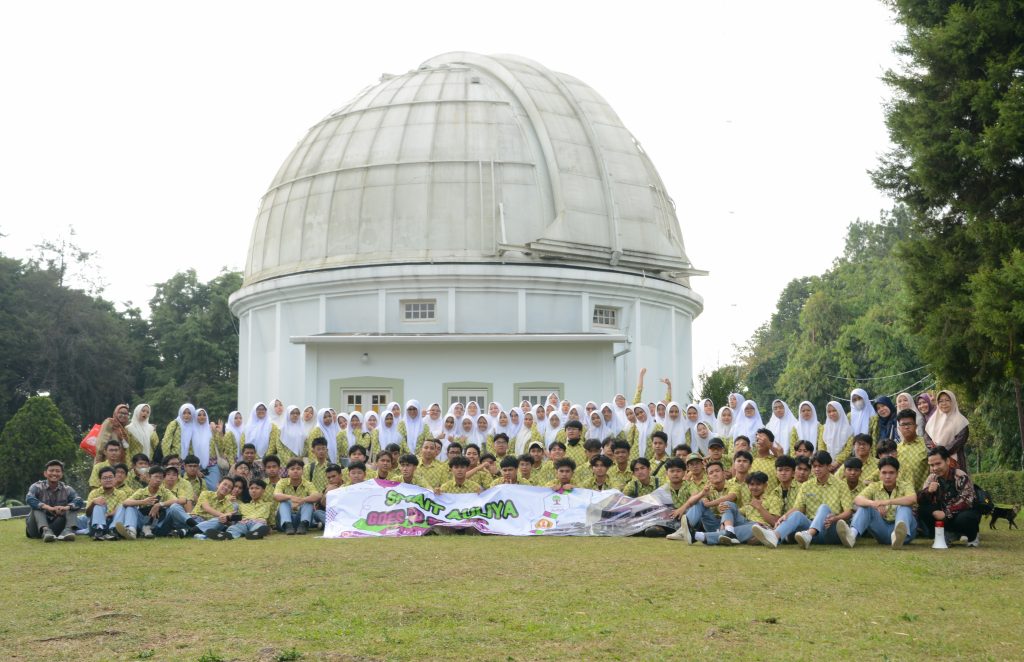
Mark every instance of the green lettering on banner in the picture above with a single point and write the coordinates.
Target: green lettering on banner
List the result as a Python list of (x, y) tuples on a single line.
[(491, 510), (426, 503)]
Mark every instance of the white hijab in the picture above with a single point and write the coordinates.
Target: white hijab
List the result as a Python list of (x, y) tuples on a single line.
[(675, 429), (782, 427), (515, 424), (257, 432), (413, 426), (644, 428), (721, 429), (699, 444), (523, 436), (353, 437), (620, 412), (187, 429), (808, 430), (493, 420), (388, 435), (472, 409), (435, 426), (942, 428), (615, 425), (540, 418), (860, 420), (330, 433), (552, 431), (311, 424), (917, 414), (691, 426), (709, 419), (748, 425), (293, 435), (475, 436), (237, 430), (201, 436), (737, 411), (836, 433), (142, 432), (274, 418)]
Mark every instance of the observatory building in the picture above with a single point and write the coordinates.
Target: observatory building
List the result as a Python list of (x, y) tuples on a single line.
[(479, 228)]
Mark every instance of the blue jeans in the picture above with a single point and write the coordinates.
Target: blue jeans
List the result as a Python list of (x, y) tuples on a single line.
[(99, 519), (170, 518), (239, 529), (799, 522), (285, 514), (868, 520), (210, 526), (320, 517), (742, 527), (212, 478), (699, 513)]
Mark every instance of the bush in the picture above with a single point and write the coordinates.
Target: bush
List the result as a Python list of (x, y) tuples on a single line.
[(35, 435), (1006, 487)]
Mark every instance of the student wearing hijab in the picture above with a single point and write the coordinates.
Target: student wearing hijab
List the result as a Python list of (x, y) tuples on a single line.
[(327, 428), (481, 435), (113, 428), (276, 413), (692, 418), (386, 433), (203, 445), (724, 426), (639, 434), (619, 406), (700, 440), (493, 409), (886, 414), (309, 418), (178, 431), (540, 419), (554, 428), (527, 435), (357, 434), (142, 437), (736, 401), (596, 428), (260, 431), (749, 421), (231, 440), (948, 429), (807, 428), (906, 401), (434, 421), (675, 426), (837, 435), (862, 416), (707, 414), (292, 442), (611, 422), (515, 423), (410, 428), (925, 405), (782, 423)]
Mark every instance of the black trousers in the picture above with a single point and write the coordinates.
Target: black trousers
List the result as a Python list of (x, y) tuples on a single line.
[(964, 523), (39, 520)]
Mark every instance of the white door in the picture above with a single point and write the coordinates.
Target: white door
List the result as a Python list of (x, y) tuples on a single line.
[(465, 395)]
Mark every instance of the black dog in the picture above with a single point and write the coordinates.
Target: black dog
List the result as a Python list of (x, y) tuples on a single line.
[(1009, 514)]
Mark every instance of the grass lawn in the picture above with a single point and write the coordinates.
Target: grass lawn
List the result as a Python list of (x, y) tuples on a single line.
[(493, 598)]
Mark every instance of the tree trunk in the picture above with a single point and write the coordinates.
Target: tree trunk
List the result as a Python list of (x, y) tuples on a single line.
[(1020, 415)]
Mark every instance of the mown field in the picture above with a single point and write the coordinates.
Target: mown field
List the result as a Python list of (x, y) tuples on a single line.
[(490, 598)]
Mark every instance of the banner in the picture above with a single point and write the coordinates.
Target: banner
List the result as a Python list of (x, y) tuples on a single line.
[(382, 508)]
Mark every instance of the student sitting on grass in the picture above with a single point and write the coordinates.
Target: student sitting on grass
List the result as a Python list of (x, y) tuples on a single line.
[(255, 516), (509, 472), (250, 458), (659, 442), (696, 472), (407, 465), (708, 508), (862, 451), (54, 506), (214, 510), (741, 462), (384, 468), (786, 488), (114, 454), (564, 469), (102, 504), (526, 469), (760, 509), (851, 475), (620, 474), (432, 471), (459, 484), (272, 473), (193, 476), (316, 468), (545, 474), (885, 507), (295, 496), (827, 499), (154, 507), (334, 481), (642, 483), (598, 480), (679, 490), (179, 488), (138, 477), (802, 472)]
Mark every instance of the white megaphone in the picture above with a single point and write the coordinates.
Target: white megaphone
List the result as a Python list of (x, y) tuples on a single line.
[(940, 536)]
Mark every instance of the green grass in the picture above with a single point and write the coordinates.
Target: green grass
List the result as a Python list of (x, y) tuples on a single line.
[(492, 598)]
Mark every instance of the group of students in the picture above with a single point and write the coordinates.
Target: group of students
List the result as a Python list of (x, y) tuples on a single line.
[(786, 480)]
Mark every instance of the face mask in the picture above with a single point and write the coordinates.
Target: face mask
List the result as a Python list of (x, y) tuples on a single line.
[(859, 405)]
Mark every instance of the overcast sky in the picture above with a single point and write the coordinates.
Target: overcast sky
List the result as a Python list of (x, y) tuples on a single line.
[(154, 132)]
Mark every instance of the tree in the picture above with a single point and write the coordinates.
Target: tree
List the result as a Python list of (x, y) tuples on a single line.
[(957, 123), (35, 435), (998, 298), (719, 383)]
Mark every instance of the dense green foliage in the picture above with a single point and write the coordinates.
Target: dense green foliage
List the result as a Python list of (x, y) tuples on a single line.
[(719, 383), (1006, 487), (35, 435), (957, 123)]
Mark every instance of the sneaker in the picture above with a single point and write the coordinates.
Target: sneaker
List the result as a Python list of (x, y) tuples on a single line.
[(766, 537), (219, 535), (122, 530), (847, 536), (264, 531), (803, 539), (109, 536), (254, 535), (682, 534), (963, 539), (899, 534), (147, 532), (177, 533), (728, 538), (98, 536), (191, 522), (131, 533), (68, 536), (289, 529), (303, 528), (974, 543), (48, 536)]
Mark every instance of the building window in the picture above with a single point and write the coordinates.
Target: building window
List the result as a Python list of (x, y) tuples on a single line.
[(365, 400), (423, 310), (606, 316), (466, 395), (536, 396)]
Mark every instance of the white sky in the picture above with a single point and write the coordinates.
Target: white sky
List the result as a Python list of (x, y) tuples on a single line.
[(155, 129)]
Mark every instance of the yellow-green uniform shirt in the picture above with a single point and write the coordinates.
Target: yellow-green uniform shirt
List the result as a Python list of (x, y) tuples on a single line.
[(618, 477), (281, 450), (582, 473), (544, 474), (766, 465), (787, 500), (682, 495), (658, 467), (258, 510), (591, 484), (268, 499), (316, 473), (468, 487), (575, 453), (303, 489), (483, 478), (198, 484), (222, 504), (555, 485), (741, 491), (869, 473), (834, 493), (114, 498), (434, 475), (634, 488), (183, 490), (417, 480), (94, 477), (500, 480), (876, 492), (913, 457), (855, 490), (132, 483), (771, 502), (715, 494), (697, 485), (162, 495)]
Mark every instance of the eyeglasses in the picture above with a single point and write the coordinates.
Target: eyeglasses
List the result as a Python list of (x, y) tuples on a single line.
[(908, 424)]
